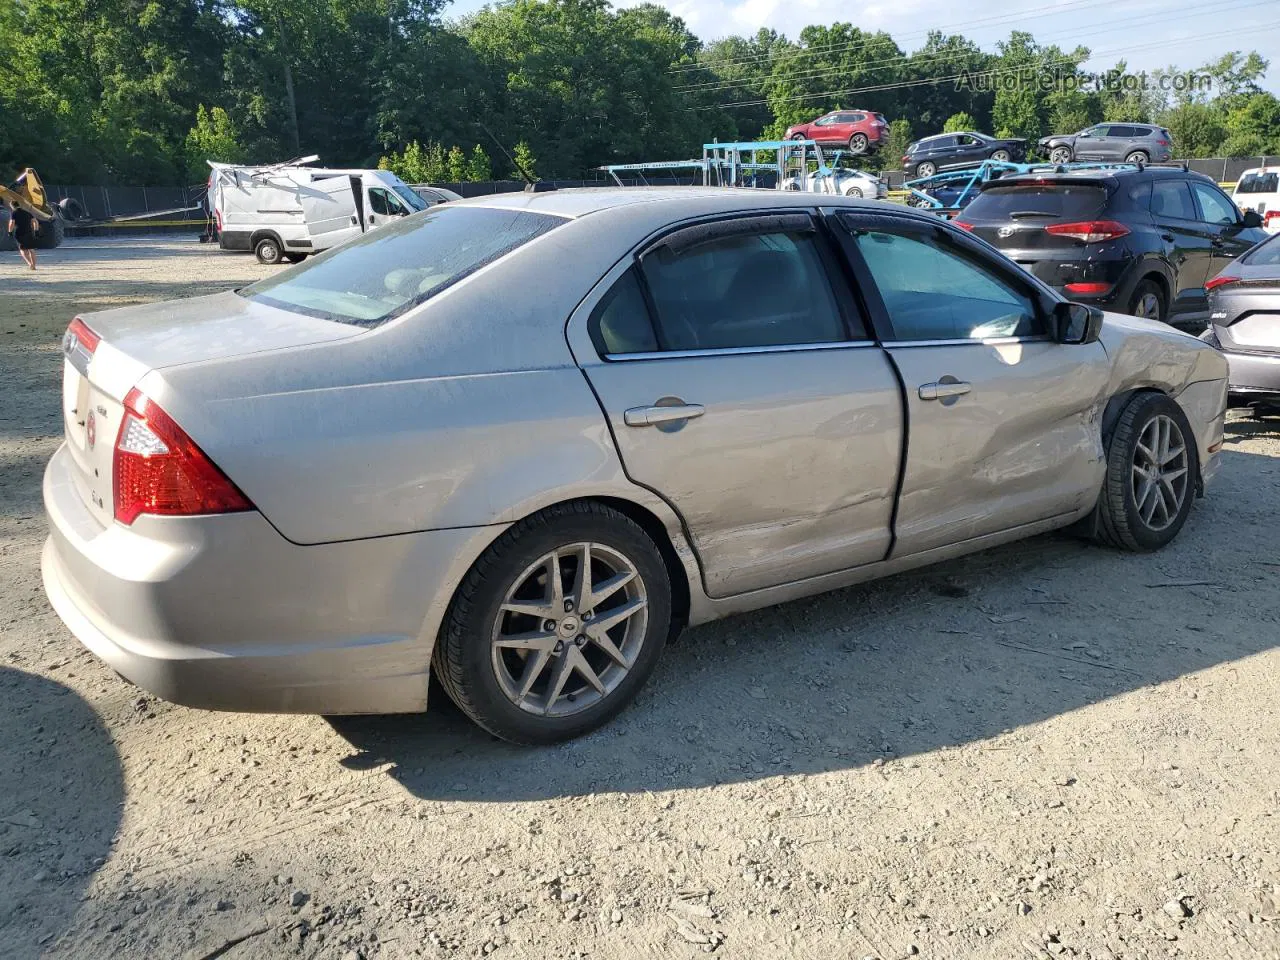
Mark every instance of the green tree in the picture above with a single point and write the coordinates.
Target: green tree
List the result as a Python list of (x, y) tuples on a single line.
[(899, 139), (478, 166), (524, 161), (1253, 126), (212, 138), (456, 165), (1197, 129), (959, 122)]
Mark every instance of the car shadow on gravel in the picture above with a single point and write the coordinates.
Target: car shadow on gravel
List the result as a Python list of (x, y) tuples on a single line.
[(60, 808), (921, 662)]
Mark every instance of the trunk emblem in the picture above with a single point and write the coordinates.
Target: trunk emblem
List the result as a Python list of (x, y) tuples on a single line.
[(91, 430), (1005, 232)]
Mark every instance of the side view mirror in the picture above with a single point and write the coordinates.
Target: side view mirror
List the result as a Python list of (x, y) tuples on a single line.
[(1076, 323), (1252, 218), (1085, 133)]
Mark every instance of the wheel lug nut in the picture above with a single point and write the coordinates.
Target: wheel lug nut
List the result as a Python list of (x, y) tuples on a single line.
[(568, 606), (548, 625)]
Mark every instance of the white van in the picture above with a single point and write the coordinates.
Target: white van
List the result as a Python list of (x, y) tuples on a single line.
[(288, 211), (1259, 189)]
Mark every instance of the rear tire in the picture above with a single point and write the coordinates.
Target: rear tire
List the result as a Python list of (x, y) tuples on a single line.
[(1000, 156), (268, 251), (1138, 156), (858, 143), (1152, 470), (1148, 301), (855, 192), (485, 655)]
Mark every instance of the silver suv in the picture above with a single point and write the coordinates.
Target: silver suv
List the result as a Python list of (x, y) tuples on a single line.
[(1132, 142)]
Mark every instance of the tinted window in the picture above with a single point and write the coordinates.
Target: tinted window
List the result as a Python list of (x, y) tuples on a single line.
[(758, 290), (380, 201), (1214, 205), (933, 292), (1265, 253), (373, 278), (621, 323), (1259, 183), (1057, 200), (1172, 198), (1127, 132)]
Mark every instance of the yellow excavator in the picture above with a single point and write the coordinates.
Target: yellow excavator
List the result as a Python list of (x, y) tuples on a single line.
[(28, 193)]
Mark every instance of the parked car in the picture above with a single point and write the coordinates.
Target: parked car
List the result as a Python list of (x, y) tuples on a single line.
[(1139, 241), (1259, 189), (521, 441), (1127, 142), (860, 130), (926, 157), (1244, 311), (843, 181), (433, 195)]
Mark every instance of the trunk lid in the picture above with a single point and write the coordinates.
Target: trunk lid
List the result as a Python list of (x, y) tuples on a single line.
[(131, 341)]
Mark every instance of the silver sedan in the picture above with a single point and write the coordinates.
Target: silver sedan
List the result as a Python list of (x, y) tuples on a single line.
[(522, 441)]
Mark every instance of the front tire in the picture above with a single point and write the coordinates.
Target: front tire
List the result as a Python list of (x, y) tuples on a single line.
[(926, 169), (1151, 475), (534, 651), (268, 251), (1060, 155)]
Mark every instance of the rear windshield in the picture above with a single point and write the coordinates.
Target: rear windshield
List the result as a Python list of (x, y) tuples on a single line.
[(1267, 253), (380, 275), (1052, 200), (1259, 183)]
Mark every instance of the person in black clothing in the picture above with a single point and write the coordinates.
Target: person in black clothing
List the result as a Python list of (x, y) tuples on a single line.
[(23, 226)]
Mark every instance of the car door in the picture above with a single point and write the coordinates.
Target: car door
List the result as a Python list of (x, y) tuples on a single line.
[(384, 207), (1188, 241), (1230, 237), (333, 209), (969, 149), (1090, 143), (1002, 422), (823, 130), (741, 385)]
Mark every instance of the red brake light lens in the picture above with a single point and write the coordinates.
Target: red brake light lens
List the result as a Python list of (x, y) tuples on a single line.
[(1087, 287), (80, 337), (1271, 215), (158, 469), (1217, 282), (1163, 143), (1088, 231), (962, 225)]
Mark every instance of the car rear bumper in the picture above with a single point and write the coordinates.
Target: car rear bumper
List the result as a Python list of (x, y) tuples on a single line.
[(1254, 375), (223, 613)]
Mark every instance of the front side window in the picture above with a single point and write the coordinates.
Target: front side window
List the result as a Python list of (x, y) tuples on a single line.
[(825, 121), (382, 202), (378, 276), (1214, 206), (753, 290), (1172, 199), (935, 292)]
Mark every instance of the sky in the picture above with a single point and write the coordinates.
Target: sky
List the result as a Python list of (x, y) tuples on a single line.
[(1147, 34)]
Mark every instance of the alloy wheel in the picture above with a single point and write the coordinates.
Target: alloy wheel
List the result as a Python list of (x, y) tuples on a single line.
[(569, 629), (1148, 306), (1060, 155), (1160, 472)]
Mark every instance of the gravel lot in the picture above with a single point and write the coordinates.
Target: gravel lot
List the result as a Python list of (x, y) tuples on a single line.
[(1044, 750)]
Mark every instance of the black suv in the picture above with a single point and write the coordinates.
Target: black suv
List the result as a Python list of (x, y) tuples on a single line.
[(926, 157), (1139, 240)]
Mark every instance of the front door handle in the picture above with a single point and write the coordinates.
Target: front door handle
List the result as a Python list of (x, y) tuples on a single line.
[(940, 391), (661, 413)]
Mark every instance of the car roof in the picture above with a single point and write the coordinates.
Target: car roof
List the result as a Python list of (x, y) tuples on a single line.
[(690, 201), (1096, 173)]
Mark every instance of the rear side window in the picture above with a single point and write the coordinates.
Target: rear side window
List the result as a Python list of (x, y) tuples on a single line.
[(1259, 183), (754, 290), (621, 323), (370, 280), (1266, 253), (1070, 201), (1172, 198)]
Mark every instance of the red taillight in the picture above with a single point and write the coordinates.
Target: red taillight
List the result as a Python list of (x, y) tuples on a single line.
[(962, 225), (1163, 143), (80, 337), (1217, 282), (1088, 231), (1087, 287), (1269, 216), (158, 468)]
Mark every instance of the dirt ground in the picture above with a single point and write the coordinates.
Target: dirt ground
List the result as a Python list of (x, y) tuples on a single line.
[(1048, 749)]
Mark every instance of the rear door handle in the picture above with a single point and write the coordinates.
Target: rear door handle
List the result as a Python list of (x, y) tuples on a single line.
[(661, 413), (940, 391), (1167, 237)]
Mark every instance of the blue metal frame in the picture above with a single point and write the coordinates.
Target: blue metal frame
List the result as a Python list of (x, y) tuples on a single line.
[(973, 177)]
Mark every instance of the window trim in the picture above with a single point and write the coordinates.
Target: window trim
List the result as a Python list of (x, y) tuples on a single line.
[(1186, 185), (850, 308), (964, 245)]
